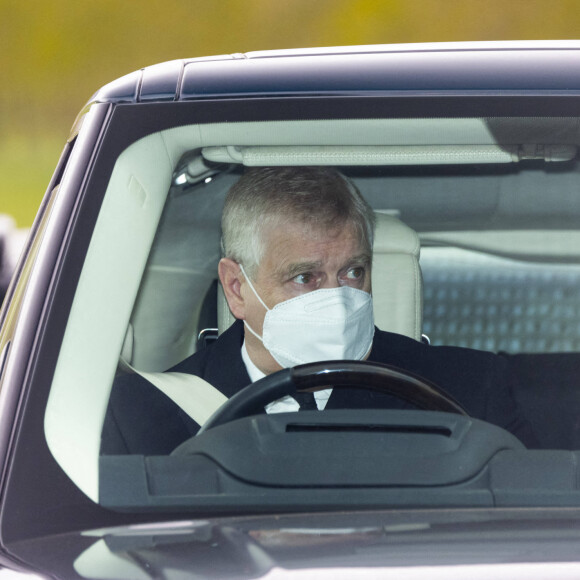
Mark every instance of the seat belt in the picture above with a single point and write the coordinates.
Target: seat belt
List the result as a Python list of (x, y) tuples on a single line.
[(196, 397)]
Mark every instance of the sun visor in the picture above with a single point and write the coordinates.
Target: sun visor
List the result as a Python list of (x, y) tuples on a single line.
[(385, 154)]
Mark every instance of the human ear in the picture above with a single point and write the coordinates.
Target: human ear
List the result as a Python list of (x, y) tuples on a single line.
[(231, 278)]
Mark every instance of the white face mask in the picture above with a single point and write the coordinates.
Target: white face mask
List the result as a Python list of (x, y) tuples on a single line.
[(326, 324)]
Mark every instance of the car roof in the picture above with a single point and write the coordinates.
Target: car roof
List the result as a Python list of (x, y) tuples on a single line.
[(443, 67)]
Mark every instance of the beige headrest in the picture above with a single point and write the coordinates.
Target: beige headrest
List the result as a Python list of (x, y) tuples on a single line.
[(397, 280), (392, 236)]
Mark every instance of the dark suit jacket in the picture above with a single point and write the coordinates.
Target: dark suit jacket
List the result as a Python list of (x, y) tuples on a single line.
[(142, 420)]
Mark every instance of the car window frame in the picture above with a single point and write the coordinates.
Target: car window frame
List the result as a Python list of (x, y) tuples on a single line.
[(126, 124)]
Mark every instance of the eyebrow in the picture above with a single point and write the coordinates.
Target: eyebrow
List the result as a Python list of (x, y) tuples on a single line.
[(365, 258), (293, 270)]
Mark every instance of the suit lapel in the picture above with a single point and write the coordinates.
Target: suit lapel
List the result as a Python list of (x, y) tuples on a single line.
[(225, 368)]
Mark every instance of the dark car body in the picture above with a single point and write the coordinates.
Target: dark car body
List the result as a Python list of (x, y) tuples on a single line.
[(499, 509)]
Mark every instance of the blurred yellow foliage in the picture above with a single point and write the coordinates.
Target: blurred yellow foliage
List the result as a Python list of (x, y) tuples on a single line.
[(55, 53)]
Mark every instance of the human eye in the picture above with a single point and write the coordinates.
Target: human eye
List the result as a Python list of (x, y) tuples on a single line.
[(355, 273), (303, 279), (354, 276)]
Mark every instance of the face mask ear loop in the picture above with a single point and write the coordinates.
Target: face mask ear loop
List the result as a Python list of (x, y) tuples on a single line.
[(258, 297), (252, 287), (253, 332)]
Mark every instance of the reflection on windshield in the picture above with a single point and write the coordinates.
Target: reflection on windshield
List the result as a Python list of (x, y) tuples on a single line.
[(472, 229)]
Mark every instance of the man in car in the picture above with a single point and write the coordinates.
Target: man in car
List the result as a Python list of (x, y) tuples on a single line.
[(296, 272)]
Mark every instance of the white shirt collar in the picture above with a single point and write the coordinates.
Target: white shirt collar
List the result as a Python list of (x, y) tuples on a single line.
[(286, 403), (253, 371)]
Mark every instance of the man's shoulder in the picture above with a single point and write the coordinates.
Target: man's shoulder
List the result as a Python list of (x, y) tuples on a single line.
[(227, 346), (436, 362), (220, 363), (392, 348), (394, 339), (137, 407), (404, 344)]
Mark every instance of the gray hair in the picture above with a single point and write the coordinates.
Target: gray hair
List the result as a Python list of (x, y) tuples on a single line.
[(319, 196)]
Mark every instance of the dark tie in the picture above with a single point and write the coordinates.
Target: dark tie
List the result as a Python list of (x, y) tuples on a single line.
[(306, 401)]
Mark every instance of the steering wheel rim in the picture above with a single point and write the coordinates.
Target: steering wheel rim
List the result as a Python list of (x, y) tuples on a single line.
[(339, 374)]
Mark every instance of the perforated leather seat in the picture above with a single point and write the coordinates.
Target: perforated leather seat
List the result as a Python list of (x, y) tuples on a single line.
[(396, 276)]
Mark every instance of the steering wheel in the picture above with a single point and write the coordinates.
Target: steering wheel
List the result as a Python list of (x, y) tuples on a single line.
[(339, 374)]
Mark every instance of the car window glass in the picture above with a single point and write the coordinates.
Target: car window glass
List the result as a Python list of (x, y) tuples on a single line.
[(493, 201)]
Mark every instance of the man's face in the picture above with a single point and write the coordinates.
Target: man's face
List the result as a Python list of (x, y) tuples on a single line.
[(300, 259)]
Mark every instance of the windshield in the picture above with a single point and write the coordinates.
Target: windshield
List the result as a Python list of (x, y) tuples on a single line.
[(435, 319)]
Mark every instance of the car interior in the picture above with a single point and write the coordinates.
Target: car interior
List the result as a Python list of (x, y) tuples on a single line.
[(477, 246)]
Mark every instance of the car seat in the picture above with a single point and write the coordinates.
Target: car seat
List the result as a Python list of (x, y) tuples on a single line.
[(397, 301)]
